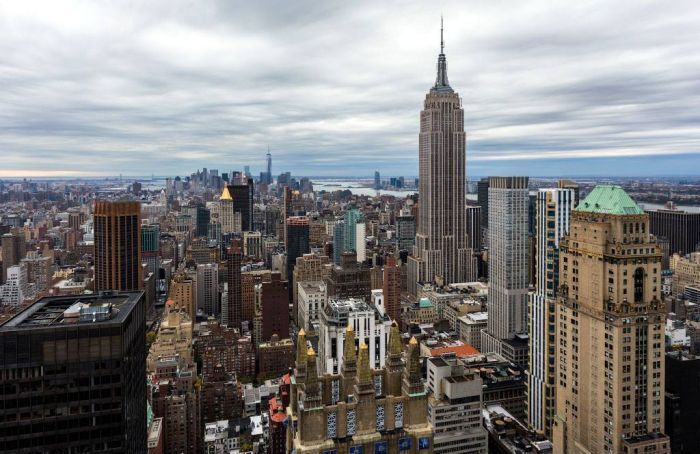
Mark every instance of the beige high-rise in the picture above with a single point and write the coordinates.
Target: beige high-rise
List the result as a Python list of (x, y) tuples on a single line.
[(610, 331), (441, 253)]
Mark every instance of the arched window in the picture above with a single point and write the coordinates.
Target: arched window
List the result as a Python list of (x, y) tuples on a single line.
[(639, 285)]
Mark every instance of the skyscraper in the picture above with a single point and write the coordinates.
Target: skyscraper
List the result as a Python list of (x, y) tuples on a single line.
[(391, 288), (117, 228), (377, 180), (610, 331), (13, 250), (508, 269), (81, 386), (441, 252), (297, 244), (235, 295), (553, 212), (680, 228), (242, 195), (208, 288), (269, 167)]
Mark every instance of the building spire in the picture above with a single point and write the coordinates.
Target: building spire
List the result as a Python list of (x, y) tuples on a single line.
[(441, 82), (442, 40)]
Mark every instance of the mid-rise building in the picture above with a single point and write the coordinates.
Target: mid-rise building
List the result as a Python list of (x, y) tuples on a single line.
[(87, 377), (610, 331), (368, 323), (454, 406), (312, 298)]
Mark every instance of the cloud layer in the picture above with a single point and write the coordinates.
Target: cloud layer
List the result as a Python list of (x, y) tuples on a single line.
[(336, 88)]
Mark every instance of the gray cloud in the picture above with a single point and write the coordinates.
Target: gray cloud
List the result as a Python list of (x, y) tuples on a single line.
[(336, 87)]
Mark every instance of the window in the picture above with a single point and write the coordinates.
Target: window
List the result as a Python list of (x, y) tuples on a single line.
[(639, 285)]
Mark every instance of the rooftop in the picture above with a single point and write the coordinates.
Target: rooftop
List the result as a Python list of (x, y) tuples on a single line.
[(56, 311), (609, 199)]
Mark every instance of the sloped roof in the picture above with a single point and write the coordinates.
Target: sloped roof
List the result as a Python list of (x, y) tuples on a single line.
[(225, 194), (609, 199)]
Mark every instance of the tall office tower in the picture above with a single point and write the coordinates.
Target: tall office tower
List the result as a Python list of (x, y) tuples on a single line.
[(275, 308), (482, 198), (208, 289), (553, 214), (82, 388), (235, 295), (474, 227), (682, 401), (297, 244), (680, 228), (14, 249), (441, 253), (377, 180), (150, 246), (454, 405), (352, 219), (506, 331), (610, 331), (392, 288), (360, 410), (338, 241), (117, 227), (227, 216), (242, 195), (287, 202), (269, 167), (405, 233), (203, 219)]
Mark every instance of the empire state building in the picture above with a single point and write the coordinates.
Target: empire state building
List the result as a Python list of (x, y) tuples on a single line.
[(440, 254)]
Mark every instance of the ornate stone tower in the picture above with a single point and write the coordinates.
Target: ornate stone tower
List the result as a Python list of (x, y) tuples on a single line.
[(441, 252), (384, 411)]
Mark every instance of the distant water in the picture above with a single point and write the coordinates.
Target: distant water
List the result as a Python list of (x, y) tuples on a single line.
[(656, 206), (358, 189)]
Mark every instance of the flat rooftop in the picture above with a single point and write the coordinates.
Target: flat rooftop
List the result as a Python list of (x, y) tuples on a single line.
[(74, 310)]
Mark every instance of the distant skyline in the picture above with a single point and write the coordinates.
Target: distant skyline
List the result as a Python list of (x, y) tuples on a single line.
[(564, 89)]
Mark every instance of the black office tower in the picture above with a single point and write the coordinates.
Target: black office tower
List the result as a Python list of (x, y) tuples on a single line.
[(682, 401), (242, 195), (73, 376), (680, 228)]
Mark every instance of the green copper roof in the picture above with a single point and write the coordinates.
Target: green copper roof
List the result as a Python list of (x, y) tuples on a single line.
[(609, 199), (425, 303)]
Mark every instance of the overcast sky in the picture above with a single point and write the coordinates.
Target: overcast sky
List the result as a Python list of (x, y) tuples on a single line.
[(335, 88)]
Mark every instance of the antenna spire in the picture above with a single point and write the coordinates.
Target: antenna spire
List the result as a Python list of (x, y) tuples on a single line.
[(442, 40)]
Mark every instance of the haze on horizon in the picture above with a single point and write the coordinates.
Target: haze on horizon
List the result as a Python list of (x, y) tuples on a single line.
[(102, 88)]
